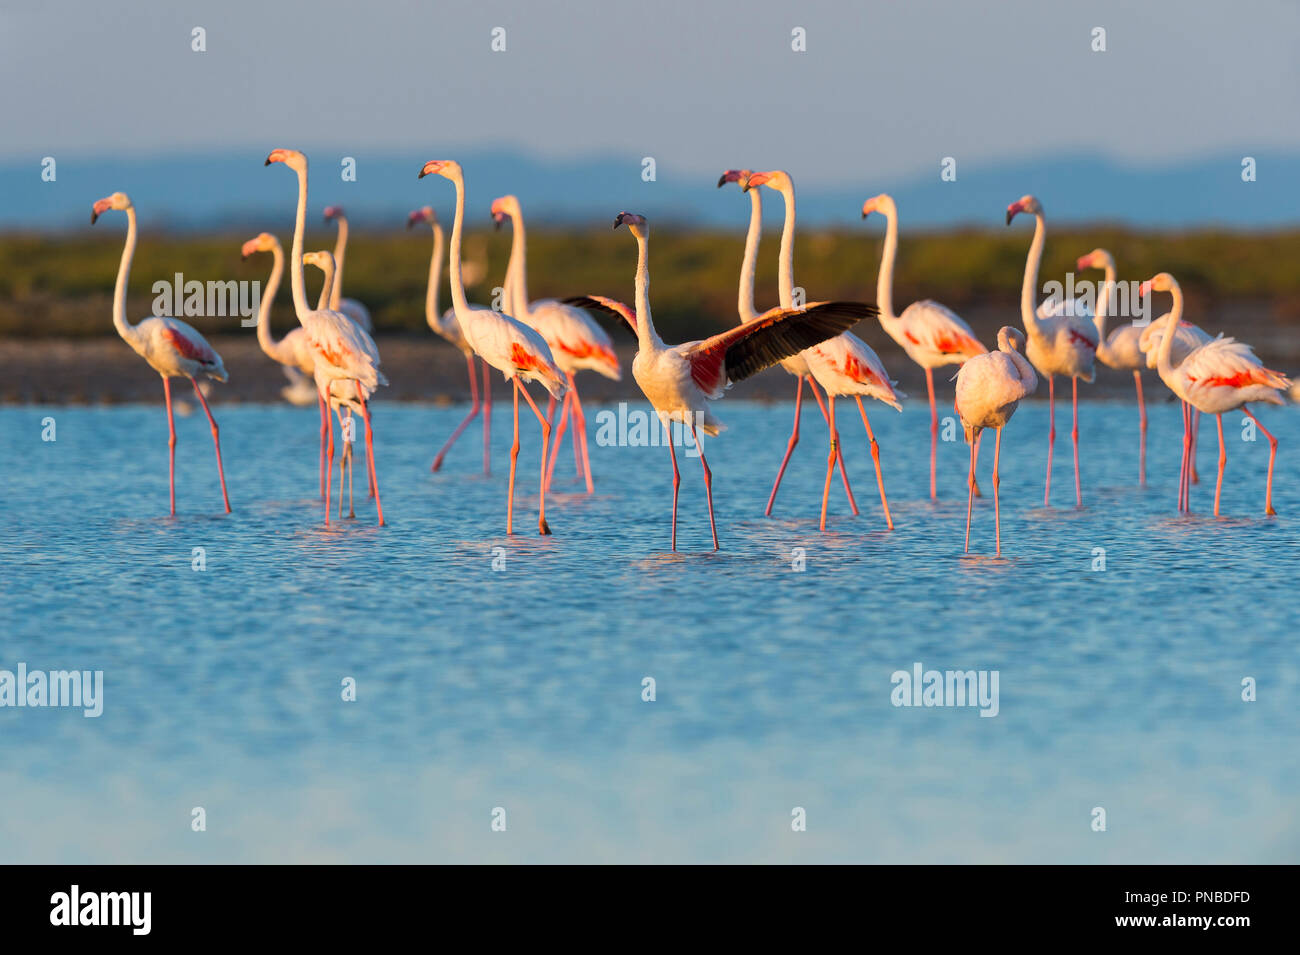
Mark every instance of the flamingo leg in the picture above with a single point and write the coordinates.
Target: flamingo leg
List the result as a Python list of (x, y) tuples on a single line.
[(997, 482), (1272, 456), (1142, 439), (329, 471), (934, 430), (216, 442), (559, 433), (370, 454), (970, 488), (324, 414), (708, 484), (1074, 435), (839, 450), (677, 476), (1223, 460), (487, 418), (1051, 437), (542, 526), (875, 456), (171, 445), (830, 458), (580, 432), (514, 457), (789, 446), (1192, 476), (1182, 469), (474, 408)]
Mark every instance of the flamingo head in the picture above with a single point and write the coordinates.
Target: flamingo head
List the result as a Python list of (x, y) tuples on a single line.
[(447, 168), (422, 214), (334, 212), (1096, 259), (1011, 339), (322, 260), (1163, 282), (636, 224), (735, 175), (776, 179), (118, 200), (505, 206), (290, 157), (264, 242), (883, 203), (1024, 204)]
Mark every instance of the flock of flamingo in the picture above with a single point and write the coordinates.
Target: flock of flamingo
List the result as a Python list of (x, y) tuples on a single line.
[(550, 341)]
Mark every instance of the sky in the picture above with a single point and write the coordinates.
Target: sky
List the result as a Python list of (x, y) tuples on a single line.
[(883, 90)]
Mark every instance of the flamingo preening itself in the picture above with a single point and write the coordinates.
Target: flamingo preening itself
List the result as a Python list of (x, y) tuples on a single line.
[(348, 306), (679, 380), (1220, 376), (577, 343), (508, 345), (171, 347), (796, 365), (1062, 340), (343, 350), (989, 388), (931, 334), (843, 364)]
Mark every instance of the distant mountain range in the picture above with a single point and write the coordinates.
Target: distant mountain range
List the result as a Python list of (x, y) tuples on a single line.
[(233, 189)]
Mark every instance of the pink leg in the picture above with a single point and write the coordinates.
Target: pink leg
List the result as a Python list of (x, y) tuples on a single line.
[(329, 470), (1192, 476), (1074, 435), (997, 482), (580, 433), (474, 407), (708, 484), (514, 457), (370, 455), (789, 446), (171, 445), (934, 430), (970, 488), (542, 526), (559, 433), (839, 450), (1051, 437), (1272, 456), (830, 458), (677, 477), (1183, 503), (875, 456), (487, 418), (1223, 459), (1142, 440), (216, 442), (324, 414)]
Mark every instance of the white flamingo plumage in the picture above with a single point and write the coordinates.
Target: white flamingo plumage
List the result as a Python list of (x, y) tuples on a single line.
[(344, 352), (445, 324), (348, 306), (796, 365), (508, 345), (989, 389), (1187, 338), (931, 334), (171, 347), (1220, 376), (679, 380), (842, 365), (576, 341), (1061, 340)]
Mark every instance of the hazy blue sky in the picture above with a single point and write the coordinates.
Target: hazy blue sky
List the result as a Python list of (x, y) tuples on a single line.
[(885, 87)]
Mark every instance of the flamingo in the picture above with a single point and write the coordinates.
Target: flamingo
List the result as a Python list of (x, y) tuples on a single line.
[(575, 340), (171, 347), (931, 334), (1121, 348), (678, 380), (796, 365), (505, 343), (348, 306), (1220, 376), (445, 324), (1060, 341), (344, 352), (843, 364), (1187, 338), (989, 388)]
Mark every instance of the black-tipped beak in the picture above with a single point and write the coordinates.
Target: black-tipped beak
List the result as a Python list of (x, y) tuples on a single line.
[(722, 180), (268, 161), (865, 214), (421, 175), (1010, 215), (94, 217), (618, 220)]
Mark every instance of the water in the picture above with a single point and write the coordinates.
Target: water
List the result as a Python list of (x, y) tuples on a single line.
[(521, 688)]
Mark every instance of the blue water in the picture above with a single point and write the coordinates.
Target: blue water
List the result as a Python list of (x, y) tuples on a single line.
[(521, 688)]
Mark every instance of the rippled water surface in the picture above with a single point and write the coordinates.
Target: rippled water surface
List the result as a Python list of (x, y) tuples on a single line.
[(521, 687)]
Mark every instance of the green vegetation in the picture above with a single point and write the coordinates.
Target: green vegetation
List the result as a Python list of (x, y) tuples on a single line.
[(63, 286)]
